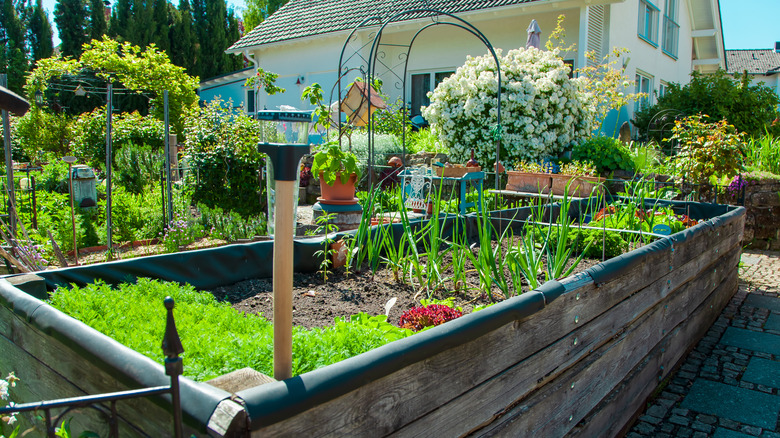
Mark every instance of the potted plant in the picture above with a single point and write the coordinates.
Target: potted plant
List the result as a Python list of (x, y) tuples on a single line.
[(528, 177), (338, 172), (581, 178)]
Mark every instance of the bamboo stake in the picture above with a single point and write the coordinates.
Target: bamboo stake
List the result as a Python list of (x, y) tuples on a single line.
[(284, 224)]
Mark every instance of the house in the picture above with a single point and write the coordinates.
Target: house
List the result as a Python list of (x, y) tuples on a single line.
[(303, 40), (230, 87), (763, 65)]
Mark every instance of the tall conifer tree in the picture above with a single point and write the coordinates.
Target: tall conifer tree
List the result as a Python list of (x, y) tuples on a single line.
[(161, 36), (41, 45), (183, 42), (97, 19), (13, 52), (71, 19)]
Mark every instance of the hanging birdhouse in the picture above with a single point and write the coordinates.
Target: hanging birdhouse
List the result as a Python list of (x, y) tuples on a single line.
[(361, 102)]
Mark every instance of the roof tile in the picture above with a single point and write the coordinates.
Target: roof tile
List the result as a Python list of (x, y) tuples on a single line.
[(761, 61), (304, 18)]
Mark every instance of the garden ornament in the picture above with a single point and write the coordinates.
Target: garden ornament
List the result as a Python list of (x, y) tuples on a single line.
[(356, 104)]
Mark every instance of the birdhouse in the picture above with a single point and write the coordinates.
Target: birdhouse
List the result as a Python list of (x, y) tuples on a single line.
[(361, 102)]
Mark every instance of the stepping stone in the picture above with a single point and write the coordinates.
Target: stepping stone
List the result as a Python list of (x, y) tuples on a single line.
[(773, 323), (756, 341), (728, 433), (763, 301), (749, 259), (763, 371), (734, 403)]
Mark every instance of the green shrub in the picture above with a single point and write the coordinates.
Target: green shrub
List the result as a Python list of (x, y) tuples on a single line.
[(607, 243), (750, 108), (138, 166), (39, 132), (606, 153), (707, 149), (230, 225)]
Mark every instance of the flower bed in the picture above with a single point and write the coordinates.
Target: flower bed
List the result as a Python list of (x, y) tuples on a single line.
[(587, 347)]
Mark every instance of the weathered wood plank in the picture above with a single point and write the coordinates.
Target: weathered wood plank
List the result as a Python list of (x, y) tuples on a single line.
[(82, 375), (611, 415), (545, 365), (389, 403), (555, 408)]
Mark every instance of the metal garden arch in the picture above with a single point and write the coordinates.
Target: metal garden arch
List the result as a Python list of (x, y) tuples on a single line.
[(372, 64)]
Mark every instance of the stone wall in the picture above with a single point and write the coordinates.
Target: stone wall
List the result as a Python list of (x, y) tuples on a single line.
[(762, 223)]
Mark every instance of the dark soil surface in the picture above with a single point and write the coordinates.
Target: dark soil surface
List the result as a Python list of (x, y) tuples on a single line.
[(316, 303)]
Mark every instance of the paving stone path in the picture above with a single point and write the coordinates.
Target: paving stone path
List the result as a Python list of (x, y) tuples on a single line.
[(729, 385)]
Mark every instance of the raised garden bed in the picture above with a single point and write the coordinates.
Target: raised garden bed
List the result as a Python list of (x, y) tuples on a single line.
[(577, 356)]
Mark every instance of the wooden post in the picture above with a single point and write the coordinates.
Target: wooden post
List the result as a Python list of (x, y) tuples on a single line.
[(284, 224)]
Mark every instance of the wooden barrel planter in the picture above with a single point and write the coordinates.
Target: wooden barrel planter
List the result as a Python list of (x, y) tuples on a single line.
[(577, 357)]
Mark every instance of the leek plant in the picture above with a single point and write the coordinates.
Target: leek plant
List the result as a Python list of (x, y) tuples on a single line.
[(490, 261), (559, 254)]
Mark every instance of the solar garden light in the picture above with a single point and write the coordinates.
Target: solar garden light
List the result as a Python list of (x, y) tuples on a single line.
[(70, 160), (283, 173)]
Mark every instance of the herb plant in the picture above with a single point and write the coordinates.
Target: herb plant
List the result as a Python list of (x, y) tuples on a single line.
[(331, 161)]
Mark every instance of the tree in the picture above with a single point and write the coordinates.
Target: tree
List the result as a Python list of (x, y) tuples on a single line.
[(13, 52), (97, 19), (71, 19), (750, 108), (41, 45), (120, 19), (183, 46), (129, 65), (258, 10), (161, 26)]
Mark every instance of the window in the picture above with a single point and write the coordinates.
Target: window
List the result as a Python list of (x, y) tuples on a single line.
[(671, 29), (250, 101), (644, 84), (421, 85), (648, 22), (662, 86)]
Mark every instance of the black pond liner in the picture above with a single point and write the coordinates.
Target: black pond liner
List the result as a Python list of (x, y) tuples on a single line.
[(272, 402)]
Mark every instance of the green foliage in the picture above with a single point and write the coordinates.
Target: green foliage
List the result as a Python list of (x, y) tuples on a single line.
[(38, 132), (595, 243), (230, 226), (391, 120), (89, 136), (331, 160), (71, 19), (424, 140), (750, 108), (707, 149), (217, 339), (136, 69), (763, 154), (54, 177), (137, 166), (579, 168), (222, 152), (41, 44), (265, 80), (606, 153), (13, 51)]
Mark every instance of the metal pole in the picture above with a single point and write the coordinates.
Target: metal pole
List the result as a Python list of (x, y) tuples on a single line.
[(109, 107), (9, 166), (72, 210), (168, 158)]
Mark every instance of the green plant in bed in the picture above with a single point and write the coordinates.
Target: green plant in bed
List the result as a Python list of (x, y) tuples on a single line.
[(217, 339)]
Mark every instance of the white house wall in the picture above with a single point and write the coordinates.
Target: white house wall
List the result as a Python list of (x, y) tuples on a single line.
[(441, 48)]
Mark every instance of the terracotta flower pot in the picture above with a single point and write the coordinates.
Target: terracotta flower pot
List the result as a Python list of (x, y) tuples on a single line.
[(528, 182), (580, 186), (338, 192)]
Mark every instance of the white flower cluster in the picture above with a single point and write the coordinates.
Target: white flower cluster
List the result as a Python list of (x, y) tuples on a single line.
[(8, 382), (543, 111)]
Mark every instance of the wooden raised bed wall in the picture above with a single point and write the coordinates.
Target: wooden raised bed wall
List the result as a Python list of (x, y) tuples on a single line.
[(578, 357)]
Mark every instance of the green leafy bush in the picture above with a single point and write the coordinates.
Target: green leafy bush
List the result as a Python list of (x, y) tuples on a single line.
[(595, 243), (138, 166), (39, 132), (750, 108), (707, 149), (606, 153), (217, 339), (222, 154)]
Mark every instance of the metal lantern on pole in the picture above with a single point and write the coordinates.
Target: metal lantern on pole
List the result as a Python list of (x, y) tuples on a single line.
[(70, 160), (283, 172)]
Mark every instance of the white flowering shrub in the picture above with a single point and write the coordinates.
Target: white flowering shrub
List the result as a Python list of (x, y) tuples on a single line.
[(542, 110)]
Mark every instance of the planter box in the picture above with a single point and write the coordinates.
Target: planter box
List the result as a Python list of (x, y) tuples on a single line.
[(580, 186), (576, 357), (454, 172), (528, 182)]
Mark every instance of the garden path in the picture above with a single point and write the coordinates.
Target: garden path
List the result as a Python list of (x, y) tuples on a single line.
[(729, 385)]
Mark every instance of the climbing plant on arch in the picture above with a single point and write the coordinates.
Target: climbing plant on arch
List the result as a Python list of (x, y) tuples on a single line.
[(136, 69)]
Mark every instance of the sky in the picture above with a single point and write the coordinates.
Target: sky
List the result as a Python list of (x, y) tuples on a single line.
[(747, 24)]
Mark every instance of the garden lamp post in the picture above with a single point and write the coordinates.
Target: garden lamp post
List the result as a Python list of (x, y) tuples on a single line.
[(70, 160), (283, 175)]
